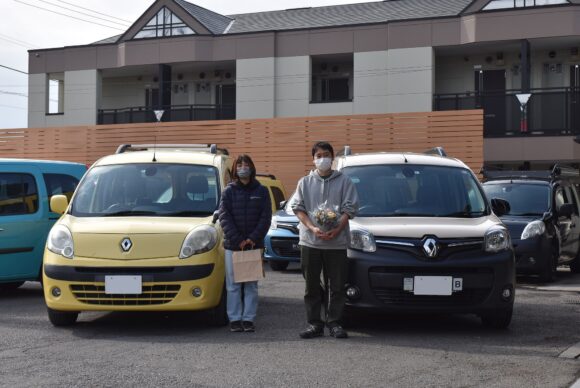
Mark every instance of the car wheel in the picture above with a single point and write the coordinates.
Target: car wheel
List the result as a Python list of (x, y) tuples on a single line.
[(218, 316), (4, 287), (499, 319), (62, 318), (278, 265), (550, 271), (575, 264)]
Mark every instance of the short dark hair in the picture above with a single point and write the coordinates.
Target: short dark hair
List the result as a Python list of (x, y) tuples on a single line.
[(323, 145), (244, 158)]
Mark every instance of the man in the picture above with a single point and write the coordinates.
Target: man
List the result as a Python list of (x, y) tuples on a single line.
[(324, 202)]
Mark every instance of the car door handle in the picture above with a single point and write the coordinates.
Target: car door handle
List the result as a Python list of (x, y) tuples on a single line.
[(1, 230)]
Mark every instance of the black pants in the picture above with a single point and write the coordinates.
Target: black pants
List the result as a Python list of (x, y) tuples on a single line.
[(332, 264)]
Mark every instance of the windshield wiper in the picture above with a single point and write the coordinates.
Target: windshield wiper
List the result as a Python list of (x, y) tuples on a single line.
[(189, 213), (526, 214), (131, 213)]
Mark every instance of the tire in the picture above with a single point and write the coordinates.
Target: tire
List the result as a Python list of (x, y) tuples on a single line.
[(218, 316), (575, 264), (278, 265), (550, 271), (499, 319), (62, 318)]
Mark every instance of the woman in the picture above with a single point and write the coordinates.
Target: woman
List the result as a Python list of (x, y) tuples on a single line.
[(245, 215)]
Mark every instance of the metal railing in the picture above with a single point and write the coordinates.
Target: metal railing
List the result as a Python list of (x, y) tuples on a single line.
[(550, 111), (143, 114)]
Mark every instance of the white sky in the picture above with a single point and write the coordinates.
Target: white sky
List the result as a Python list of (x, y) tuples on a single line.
[(36, 28)]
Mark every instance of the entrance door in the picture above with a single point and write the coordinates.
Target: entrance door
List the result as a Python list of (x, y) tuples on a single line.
[(575, 99), (490, 89), (226, 101)]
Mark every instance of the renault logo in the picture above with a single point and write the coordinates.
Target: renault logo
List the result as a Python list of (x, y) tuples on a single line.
[(430, 247), (126, 244)]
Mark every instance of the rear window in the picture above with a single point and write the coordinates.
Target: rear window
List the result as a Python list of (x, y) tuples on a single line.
[(416, 191), (18, 194), (60, 184)]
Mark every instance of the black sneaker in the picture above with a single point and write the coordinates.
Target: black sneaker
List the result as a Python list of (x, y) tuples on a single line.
[(248, 326), (338, 332), (312, 331), (236, 326)]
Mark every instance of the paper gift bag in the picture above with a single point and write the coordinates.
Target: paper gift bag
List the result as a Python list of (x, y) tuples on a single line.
[(248, 265)]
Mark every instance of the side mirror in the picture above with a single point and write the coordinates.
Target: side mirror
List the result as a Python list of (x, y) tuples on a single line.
[(216, 215), (281, 205), (500, 206), (58, 203), (566, 210)]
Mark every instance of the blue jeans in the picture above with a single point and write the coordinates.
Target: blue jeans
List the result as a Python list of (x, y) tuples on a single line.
[(240, 309)]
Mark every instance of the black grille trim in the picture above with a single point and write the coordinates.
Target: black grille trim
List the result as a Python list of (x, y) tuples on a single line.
[(149, 274)]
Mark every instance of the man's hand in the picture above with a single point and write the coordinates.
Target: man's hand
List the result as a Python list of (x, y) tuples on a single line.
[(243, 244), (250, 243), (318, 232), (332, 233)]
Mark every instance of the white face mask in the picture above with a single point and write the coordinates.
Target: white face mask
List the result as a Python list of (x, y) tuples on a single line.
[(323, 164)]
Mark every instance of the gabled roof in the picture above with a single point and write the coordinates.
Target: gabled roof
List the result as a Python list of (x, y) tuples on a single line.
[(348, 14), (214, 22)]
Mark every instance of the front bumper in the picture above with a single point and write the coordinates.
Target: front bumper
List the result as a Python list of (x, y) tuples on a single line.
[(379, 278), (282, 245), (532, 255), (167, 284)]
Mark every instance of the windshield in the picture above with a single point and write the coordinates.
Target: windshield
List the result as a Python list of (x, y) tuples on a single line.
[(178, 190), (526, 199), (416, 191)]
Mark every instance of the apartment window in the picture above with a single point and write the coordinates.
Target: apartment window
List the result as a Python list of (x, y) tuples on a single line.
[(55, 95), (164, 24), (332, 79), (502, 4)]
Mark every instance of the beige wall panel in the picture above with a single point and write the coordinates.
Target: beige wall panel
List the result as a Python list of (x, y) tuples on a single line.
[(331, 109), (54, 121), (332, 41), (371, 104), (255, 88), (409, 102), (81, 92), (292, 108), (551, 149)]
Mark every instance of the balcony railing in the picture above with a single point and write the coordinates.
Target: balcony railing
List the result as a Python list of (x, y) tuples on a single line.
[(142, 114), (550, 111)]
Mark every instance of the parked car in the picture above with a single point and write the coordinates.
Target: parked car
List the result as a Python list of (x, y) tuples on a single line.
[(26, 187), (426, 239), (281, 242), (140, 235), (543, 219), (275, 188)]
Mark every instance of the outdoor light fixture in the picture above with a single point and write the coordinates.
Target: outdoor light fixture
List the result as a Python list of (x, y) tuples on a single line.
[(552, 54)]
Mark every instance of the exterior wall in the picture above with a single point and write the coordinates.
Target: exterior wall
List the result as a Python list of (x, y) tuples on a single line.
[(292, 86), (255, 88), (371, 86), (410, 79), (37, 89), (124, 92), (81, 97), (543, 149)]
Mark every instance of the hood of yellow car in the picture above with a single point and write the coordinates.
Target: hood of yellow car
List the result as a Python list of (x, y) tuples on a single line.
[(130, 238)]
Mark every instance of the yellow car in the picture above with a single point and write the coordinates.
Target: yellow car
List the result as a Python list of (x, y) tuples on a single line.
[(140, 234), (275, 188)]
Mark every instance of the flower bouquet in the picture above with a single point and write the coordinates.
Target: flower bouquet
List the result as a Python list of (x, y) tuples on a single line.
[(325, 217)]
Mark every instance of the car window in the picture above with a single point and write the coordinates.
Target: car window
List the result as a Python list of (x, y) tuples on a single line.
[(278, 196), (569, 191), (416, 190), (148, 189), (18, 194), (560, 197), (524, 198), (60, 184)]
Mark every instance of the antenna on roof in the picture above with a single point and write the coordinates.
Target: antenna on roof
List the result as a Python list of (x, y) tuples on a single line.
[(154, 145)]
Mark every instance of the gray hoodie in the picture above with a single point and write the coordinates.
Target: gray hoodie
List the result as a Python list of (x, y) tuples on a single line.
[(336, 192)]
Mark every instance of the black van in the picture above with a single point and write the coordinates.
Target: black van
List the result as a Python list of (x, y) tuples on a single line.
[(543, 217)]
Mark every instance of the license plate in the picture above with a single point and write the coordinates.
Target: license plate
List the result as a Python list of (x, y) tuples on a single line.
[(433, 285), (131, 284), (295, 247)]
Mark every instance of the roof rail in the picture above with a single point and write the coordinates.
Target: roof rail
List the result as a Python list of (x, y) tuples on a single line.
[(271, 176), (436, 151), (346, 151), (212, 148), (557, 171)]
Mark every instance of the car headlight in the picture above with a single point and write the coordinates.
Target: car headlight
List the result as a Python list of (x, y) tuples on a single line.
[(60, 241), (533, 229), (362, 240), (199, 240), (497, 239), (274, 223)]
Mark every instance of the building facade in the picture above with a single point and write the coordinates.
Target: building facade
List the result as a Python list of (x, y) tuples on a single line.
[(378, 57)]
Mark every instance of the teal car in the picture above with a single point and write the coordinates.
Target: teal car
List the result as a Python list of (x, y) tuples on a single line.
[(25, 217)]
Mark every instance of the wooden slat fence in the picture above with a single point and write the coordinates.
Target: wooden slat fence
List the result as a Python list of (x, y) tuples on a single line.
[(279, 146)]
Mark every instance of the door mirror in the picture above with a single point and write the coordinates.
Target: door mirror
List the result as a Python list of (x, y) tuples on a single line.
[(281, 205), (500, 206), (58, 203), (566, 210)]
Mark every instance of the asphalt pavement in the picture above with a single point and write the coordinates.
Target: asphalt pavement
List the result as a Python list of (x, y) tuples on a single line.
[(178, 349)]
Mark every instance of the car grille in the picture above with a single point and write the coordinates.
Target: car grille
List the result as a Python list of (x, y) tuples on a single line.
[(285, 247), (151, 295), (400, 297)]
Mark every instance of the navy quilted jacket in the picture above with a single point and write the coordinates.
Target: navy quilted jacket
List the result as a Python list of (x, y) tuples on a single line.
[(245, 212)]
